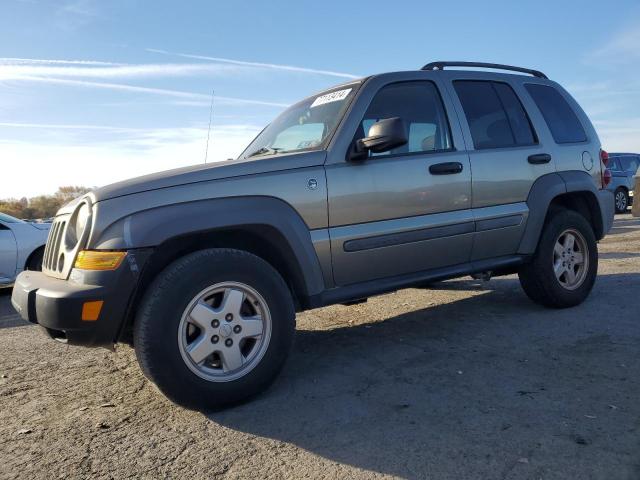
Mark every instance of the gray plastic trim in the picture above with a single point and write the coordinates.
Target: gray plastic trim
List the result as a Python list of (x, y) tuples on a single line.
[(150, 228), (542, 193)]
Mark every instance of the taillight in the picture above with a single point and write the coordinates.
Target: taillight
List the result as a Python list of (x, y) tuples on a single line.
[(605, 172)]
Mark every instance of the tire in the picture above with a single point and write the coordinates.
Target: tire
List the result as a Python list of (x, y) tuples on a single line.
[(621, 197), (538, 277), (163, 328), (35, 260)]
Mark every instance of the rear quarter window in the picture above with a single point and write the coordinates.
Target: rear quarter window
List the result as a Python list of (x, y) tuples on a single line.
[(558, 114), (630, 163), (613, 164)]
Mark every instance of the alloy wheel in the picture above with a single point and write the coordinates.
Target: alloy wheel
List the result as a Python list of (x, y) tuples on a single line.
[(224, 332), (571, 259), (621, 201)]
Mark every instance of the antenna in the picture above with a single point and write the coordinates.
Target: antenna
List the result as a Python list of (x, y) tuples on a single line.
[(206, 151)]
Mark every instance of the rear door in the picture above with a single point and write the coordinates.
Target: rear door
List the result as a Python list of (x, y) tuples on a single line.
[(400, 211), (506, 155)]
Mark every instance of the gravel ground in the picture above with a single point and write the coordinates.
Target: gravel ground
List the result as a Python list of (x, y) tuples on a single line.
[(466, 380)]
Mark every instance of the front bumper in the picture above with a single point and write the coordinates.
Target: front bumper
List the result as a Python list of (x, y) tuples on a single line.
[(57, 304)]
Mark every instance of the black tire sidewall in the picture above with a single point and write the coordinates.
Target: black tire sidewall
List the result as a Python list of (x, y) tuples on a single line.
[(156, 327), (35, 261), (556, 295)]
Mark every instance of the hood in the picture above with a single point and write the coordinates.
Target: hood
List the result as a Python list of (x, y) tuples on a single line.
[(41, 225), (208, 172)]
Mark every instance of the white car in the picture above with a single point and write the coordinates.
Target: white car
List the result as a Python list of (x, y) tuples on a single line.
[(21, 247)]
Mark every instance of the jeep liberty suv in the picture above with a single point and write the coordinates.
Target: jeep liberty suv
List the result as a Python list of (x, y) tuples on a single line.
[(378, 184)]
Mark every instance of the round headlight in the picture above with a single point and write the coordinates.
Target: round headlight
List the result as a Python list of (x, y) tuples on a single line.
[(78, 224), (82, 220)]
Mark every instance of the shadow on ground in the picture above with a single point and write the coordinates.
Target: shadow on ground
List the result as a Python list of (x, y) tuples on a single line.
[(8, 316), (626, 225), (491, 386)]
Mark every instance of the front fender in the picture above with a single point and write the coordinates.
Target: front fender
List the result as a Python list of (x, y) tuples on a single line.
[(152, 227)]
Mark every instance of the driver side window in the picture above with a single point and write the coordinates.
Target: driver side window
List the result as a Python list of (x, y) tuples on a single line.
[(418, 103)]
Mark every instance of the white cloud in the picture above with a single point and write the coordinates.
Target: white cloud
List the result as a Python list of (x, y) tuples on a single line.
[(621, 135), (57, 126), (46, 61), (623, 48), (139, 152), (271, 66)]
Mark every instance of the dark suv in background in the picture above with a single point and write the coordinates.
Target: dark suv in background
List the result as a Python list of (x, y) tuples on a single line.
[(623, 168)]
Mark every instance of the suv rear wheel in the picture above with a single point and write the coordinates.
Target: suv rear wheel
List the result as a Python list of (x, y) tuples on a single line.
[(622, 200), (214, 328), (564, 267)]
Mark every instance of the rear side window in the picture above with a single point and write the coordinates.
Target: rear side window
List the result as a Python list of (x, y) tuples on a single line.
[(560, 117), (630, 163), (613, 164), (495, 115)]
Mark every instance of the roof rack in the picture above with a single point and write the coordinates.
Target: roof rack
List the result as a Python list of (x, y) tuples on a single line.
[(441, 65)]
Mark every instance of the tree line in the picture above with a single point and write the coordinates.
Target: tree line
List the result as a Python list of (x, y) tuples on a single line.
[(42, 206)]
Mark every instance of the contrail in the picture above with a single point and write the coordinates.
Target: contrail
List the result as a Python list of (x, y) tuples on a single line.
[(156, 91), (272, 66)]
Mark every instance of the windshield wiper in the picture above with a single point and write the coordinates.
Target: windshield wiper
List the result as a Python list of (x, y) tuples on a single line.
[(264, 151)]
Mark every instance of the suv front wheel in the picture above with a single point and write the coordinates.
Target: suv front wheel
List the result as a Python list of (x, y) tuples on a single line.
[(564, 266), (214, 328)]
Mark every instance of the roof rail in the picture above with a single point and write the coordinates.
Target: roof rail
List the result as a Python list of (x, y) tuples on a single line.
[(441, 65)]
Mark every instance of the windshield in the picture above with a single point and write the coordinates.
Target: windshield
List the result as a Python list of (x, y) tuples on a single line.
[(307, 125)]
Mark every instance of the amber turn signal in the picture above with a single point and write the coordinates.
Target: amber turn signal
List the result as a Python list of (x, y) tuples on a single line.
[(99, 260)]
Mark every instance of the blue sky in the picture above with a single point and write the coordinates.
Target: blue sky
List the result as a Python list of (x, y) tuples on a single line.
[(96, 91)]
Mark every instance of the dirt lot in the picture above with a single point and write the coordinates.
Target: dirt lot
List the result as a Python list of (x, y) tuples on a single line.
[(468, 380)]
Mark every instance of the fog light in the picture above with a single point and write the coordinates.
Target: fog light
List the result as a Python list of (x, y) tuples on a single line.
[(99, 260)]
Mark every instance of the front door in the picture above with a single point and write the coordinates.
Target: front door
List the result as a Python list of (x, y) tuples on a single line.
[(8, 254), (408, 209)]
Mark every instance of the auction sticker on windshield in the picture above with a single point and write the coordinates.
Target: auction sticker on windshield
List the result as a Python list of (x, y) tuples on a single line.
[(331, 97)]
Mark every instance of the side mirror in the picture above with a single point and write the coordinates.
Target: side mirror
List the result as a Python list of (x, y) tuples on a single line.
[(383, 136)]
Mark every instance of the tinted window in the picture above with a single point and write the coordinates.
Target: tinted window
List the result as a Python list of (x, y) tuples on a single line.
[(613, 164), (420, 106), (495, 115), (629, 163), (518, 119), (561, 119)]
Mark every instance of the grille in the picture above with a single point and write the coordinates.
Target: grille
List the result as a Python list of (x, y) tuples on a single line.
[(52, 251)]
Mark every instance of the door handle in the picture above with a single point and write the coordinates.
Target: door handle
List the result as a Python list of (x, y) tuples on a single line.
[(539, 158), (447, 168)]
